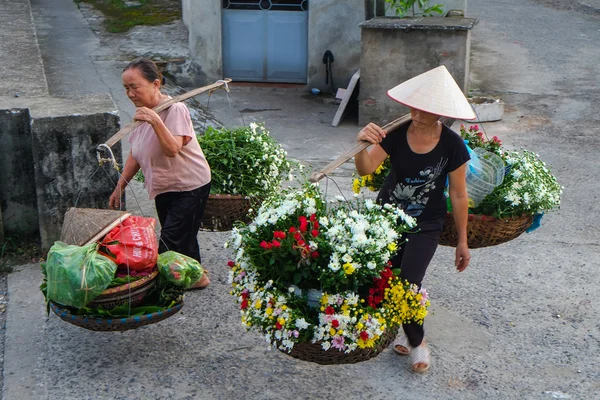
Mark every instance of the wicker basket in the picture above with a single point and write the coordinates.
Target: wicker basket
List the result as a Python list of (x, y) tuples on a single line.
[(313, 352), (483, 231), (133, 293), (114, 324), (222, 210)]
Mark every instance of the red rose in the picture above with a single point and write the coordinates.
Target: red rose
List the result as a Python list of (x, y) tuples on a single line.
[(364, 336), (313, 218), (279, 235), (297, 236), (244, 304), (230, 264), (264, 244), (314, 233), (335, 323), (292, 229), (275, 243), (316, 224), (278, 325), (303, 223), (329, 310), (314, 254)]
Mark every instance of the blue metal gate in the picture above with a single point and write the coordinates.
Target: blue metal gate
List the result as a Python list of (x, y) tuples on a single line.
[(265, 40)]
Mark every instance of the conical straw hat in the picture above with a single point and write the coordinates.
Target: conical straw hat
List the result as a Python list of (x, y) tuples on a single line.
[(436, 92), (86, 225)]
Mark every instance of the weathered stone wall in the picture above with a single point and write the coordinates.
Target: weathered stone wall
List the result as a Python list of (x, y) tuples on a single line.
[(56, 167), (18, 203), (395, 50)]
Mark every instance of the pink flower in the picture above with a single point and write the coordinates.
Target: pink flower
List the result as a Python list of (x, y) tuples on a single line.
[(338, 343)]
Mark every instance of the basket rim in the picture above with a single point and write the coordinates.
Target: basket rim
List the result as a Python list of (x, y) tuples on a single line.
[(222, 196), (67, 316), (131, 285), (481, 217)]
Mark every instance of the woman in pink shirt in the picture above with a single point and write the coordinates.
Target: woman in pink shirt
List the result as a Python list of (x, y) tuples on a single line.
[(176, 173)]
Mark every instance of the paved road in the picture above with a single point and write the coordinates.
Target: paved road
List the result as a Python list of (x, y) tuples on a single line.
[(520, 323)]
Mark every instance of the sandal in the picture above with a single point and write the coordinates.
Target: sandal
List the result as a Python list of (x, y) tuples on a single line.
[(401, 345), (202, 283), (420, 358)]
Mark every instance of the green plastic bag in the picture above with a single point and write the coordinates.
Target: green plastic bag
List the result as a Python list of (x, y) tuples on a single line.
[(76, 275), (179, 269)]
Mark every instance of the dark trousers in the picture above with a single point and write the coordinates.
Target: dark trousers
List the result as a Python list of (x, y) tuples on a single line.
[(413, 258), (180, 214)]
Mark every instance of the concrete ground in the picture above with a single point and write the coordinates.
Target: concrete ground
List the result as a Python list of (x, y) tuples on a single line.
[(520, 323)]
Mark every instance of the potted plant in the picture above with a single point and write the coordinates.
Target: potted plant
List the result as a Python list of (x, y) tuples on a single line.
[(299, 244), (414, 8)]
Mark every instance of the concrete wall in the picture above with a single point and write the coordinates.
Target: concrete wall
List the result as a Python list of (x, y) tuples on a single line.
[(18, 204), (334, 26), (395, 50), (203, 20), (59, 170)]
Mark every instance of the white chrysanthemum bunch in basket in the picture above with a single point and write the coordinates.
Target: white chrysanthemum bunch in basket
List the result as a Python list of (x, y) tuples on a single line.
[(308, 271)]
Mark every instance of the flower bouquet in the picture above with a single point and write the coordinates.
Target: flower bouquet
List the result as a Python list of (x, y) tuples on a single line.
[(247, 166), (527, 191), (315, 278)]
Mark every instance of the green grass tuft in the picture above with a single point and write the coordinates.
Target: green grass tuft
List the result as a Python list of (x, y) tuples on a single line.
[(121, 18)]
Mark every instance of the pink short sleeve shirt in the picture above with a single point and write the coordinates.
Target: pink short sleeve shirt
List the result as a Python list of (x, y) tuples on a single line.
[(188, 170)]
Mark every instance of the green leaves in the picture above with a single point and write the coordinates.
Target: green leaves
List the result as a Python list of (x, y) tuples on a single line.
[(406, 8)]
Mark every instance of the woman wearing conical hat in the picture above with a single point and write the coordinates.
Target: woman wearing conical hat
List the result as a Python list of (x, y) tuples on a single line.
[(425, 155)]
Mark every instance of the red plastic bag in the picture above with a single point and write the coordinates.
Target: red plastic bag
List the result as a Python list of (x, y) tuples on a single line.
[(133, 243)]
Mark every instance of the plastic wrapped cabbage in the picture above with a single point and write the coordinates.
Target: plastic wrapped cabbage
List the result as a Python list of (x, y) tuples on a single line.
[(76, 275), (179, 269)]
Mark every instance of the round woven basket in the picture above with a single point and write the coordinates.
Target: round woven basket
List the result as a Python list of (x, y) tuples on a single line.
[(133, 293), (313, 352), (484, 231), (222, 210), (113, 324)]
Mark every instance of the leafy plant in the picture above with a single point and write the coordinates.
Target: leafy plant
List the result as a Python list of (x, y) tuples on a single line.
[(409, 8), (245, 160)]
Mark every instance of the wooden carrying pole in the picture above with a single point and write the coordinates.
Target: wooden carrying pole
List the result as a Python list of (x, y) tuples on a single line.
[(134, 124), (395, 124)]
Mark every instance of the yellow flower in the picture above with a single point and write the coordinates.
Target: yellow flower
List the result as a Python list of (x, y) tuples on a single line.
[(269, 311), (340, 332), (324, 300), (348, 268), (379, 169), (356, 186), (471, 203), (284, 307), (392, 246), (359, 326), (345, 309), (332, 331), (281, 321)]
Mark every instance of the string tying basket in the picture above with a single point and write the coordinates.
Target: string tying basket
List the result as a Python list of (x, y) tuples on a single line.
[(484, 231)]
